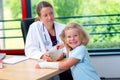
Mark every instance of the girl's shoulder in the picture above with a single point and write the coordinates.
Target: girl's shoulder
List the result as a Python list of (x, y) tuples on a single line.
[(81, 47)]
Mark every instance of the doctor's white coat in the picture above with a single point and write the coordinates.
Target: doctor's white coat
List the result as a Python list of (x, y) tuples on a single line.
[(35, 41)]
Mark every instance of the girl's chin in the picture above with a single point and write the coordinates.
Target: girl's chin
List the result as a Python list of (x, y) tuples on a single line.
[(73, 47)]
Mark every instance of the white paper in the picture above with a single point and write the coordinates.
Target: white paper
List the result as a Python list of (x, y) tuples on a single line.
[(55, 53), (14, 59)]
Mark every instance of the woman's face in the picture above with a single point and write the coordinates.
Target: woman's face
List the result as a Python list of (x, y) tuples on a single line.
[(73, 38), (47, 16)]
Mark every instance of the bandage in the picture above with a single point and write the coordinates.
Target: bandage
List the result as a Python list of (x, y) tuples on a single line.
[(49, 65)]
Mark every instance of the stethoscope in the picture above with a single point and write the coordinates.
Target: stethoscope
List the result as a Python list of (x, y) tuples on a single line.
[(46, 42)]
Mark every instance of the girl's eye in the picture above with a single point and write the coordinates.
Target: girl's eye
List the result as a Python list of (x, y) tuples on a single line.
[(68, 36), (75, 35)]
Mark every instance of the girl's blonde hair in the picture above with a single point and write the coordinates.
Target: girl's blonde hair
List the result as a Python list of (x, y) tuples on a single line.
[(81, 30)]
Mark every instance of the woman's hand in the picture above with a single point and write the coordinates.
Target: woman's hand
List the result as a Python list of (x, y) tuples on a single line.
[(46, 57), (60, 57)]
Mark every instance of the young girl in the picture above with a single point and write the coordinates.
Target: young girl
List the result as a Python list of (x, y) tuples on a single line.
[(75, 39)]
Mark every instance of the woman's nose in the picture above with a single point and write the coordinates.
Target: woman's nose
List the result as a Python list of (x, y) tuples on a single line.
[(49, 17)]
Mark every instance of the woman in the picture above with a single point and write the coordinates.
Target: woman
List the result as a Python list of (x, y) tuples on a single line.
[(43, 34)]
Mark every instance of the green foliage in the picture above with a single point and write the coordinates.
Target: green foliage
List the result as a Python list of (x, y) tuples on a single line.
[(15, 7), (65, 8)]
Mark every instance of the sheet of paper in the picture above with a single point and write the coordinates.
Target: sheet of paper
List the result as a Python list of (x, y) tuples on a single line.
[(14, 59), (55, 53)]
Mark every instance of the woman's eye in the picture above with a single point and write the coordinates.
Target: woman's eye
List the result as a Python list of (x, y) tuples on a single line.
[(45, 15), (51, 13)]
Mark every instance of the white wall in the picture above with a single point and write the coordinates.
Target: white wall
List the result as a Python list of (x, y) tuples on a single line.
[(107, 66)]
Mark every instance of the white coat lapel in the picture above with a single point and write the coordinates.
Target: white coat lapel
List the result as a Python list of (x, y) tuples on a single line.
[(46, 36), (42, 46), (57, 31)]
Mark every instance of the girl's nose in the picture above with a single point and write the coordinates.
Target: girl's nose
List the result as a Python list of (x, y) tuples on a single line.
[(72, 38)]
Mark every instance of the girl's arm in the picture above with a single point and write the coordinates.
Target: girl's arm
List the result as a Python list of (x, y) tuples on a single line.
[(59, 65), (68, 63), (60, 45), (65, 54)]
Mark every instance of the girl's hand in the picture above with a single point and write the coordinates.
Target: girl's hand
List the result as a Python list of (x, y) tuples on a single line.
[(60, 45)]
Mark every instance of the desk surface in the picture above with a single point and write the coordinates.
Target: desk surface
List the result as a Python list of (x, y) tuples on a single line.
[(26, 71)]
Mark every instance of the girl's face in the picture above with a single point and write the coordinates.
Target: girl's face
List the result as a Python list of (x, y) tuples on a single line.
[(47, 16), (73, 38)]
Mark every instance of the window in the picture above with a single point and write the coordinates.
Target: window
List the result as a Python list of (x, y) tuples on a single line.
[(100, 18), (11, 37)]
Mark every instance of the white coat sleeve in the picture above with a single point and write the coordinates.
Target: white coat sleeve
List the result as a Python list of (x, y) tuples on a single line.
[(33, 43)]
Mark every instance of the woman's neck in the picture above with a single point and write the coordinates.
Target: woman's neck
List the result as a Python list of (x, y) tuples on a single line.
[(50, 29), (51, 32)]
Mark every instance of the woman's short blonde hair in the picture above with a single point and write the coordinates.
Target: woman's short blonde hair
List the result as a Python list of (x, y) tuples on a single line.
[(81, 30)]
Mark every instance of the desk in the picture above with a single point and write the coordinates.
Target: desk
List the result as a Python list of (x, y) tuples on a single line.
[(26, 71)]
